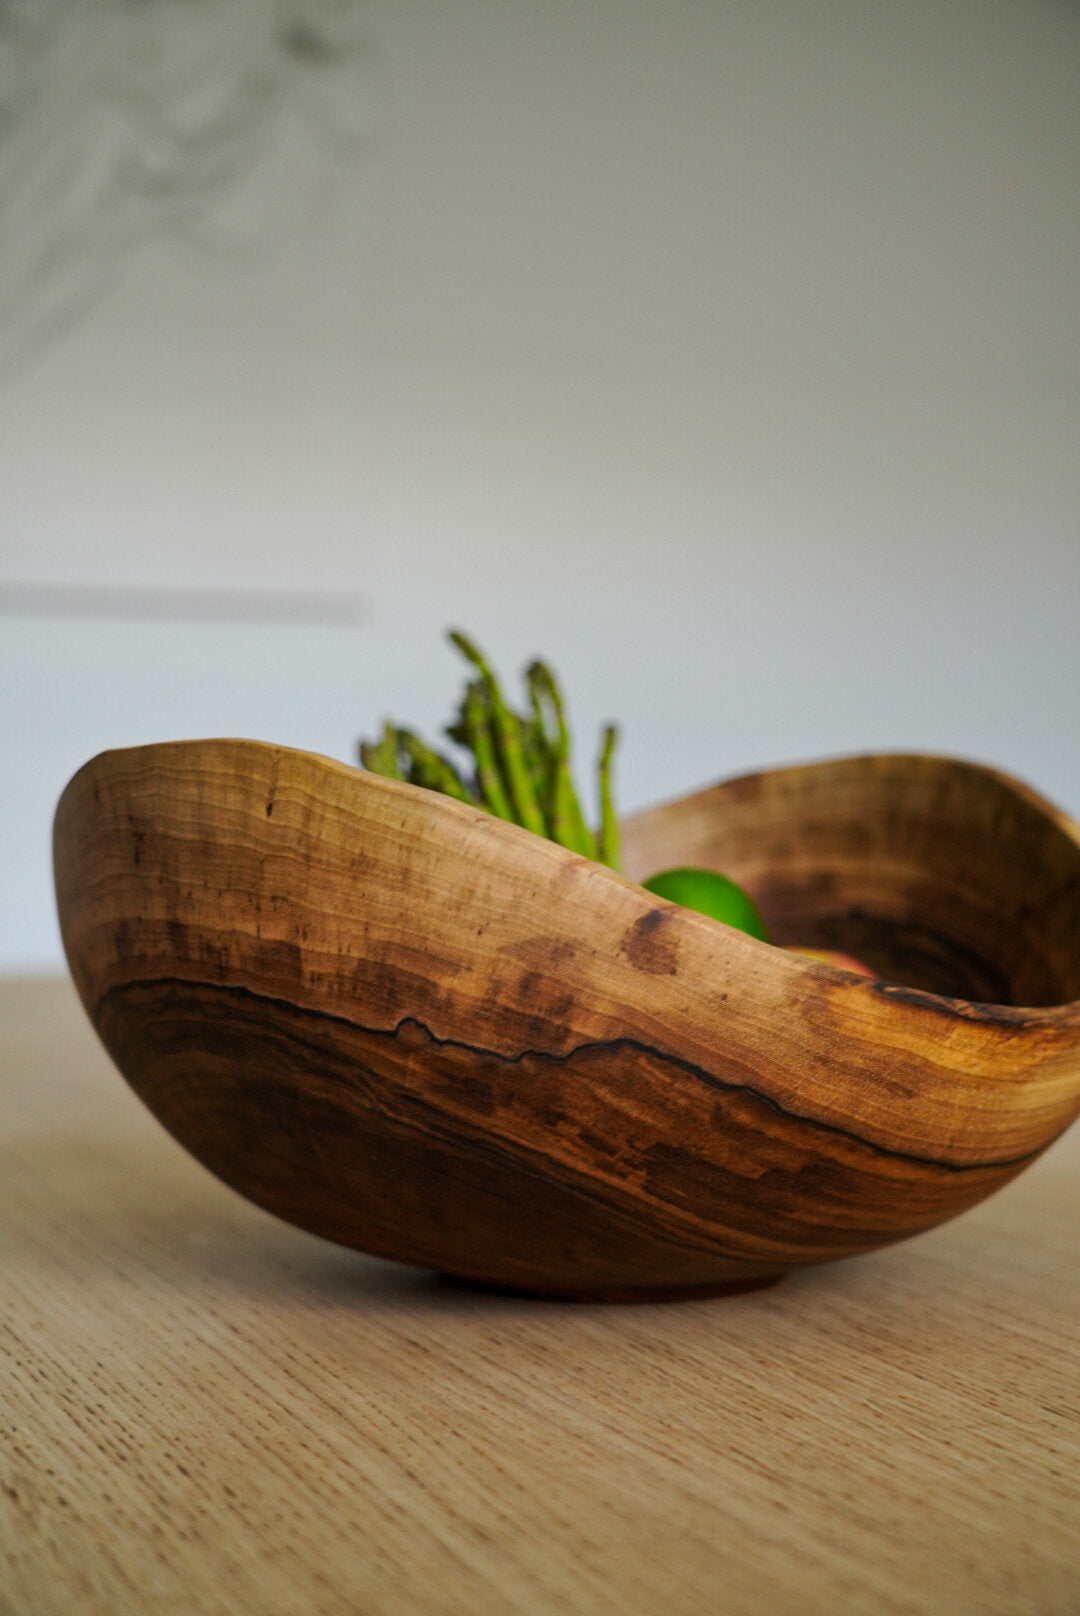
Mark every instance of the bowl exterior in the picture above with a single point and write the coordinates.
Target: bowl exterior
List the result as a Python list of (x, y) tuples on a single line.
[(414, 1029)]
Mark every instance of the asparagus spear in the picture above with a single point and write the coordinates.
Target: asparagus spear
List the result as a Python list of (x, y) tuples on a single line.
[(566, 819), (504, 725), (609, 841), (522, 763), (478, 730), (382, 756), (534, 749), (429, 768)]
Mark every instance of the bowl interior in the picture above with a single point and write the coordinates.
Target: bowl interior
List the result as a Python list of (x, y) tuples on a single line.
[(941, 875)]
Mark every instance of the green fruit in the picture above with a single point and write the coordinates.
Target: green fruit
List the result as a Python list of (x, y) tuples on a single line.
[(710, 894)]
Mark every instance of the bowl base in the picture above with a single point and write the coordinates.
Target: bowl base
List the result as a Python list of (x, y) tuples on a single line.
[(621, 1295)]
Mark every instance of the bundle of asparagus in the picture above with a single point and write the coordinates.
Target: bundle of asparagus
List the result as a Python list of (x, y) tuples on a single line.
[(520, 768)]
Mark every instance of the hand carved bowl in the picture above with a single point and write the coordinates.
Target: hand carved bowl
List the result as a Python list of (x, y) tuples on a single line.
[(412, 1028)]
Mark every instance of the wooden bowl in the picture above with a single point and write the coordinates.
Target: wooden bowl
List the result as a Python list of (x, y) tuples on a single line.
[(412, 1028)]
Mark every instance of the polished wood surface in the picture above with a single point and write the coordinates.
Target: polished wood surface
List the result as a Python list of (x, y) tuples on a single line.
[(406, 1025), (204, 1410)]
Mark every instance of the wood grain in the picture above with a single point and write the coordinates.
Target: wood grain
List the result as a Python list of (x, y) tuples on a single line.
[(405, 1025), (203, 1409)]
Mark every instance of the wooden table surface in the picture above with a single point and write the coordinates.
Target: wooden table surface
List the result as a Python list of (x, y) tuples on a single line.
[(204, 1410)]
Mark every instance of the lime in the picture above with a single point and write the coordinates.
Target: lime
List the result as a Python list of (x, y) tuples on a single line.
[(710, 894)]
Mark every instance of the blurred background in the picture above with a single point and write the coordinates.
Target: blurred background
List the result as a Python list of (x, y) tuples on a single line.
[(727, 354)]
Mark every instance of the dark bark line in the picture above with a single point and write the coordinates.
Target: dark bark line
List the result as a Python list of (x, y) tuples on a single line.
[(680, 1063)]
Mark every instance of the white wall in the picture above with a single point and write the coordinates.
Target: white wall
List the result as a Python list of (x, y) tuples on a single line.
[(726, 353)]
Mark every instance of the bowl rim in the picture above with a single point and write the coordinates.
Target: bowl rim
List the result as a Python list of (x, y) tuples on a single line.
[(1064, 1014)]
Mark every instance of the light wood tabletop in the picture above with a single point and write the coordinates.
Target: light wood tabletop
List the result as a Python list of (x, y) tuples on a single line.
[(205, 1410)]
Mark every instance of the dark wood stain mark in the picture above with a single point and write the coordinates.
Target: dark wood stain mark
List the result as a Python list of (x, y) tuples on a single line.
[(271, 789), (541, 953), (939, 1004), (648, 948)]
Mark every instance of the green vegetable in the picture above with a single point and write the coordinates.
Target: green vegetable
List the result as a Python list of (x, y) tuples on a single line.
[(505, 728), (609, 841), (520, 771), (381, 756), (481, 742), (520, 767), (429, 768), (710, 894), (564, 816)]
